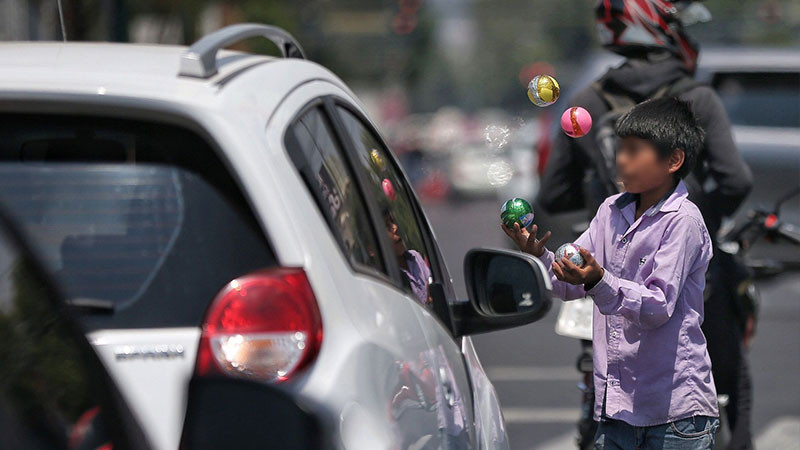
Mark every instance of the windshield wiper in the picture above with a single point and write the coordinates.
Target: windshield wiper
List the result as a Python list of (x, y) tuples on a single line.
[(93, 304)]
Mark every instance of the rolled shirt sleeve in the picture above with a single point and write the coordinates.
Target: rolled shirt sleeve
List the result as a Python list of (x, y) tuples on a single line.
[(684, 247)]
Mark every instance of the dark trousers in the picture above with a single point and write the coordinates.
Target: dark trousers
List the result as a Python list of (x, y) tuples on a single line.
[(723, 330)]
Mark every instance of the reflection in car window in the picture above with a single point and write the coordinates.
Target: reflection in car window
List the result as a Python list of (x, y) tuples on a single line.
[(388, 188), (760, 99), (320, 162)]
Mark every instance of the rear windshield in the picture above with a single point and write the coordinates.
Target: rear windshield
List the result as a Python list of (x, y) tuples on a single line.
[(761, 99), (140, 223)]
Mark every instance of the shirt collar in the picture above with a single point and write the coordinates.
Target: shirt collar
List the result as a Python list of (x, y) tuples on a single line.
[(670, 202)]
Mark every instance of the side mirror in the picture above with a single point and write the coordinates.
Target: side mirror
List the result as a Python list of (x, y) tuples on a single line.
[(237, 413), (506, 289)]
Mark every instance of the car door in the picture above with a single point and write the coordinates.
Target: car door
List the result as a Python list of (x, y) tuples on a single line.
[(423, 274), (383, 386)]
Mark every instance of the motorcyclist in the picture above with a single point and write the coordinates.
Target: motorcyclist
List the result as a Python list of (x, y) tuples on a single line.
[(661, 60)]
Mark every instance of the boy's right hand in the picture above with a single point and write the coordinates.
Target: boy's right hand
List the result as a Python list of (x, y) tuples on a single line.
[(527, 241)]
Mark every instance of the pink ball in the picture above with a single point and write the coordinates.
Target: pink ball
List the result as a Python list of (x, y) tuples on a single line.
[(576, 122), (388, 189)]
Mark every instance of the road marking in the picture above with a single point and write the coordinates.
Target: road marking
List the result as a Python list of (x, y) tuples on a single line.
[(783, 433), (533, 373), (564, 442), (541, 415)]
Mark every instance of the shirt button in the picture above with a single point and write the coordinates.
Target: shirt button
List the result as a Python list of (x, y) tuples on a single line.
[(613, 334), (624, 240)]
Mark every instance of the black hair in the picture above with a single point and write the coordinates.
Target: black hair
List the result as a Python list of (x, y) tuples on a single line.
[(668, 124)]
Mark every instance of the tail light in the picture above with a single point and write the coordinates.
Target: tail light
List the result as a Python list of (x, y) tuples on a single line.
[(264, 326), (770, 221)]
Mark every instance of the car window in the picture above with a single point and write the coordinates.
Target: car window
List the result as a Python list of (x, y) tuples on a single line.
[(760, 99), (139, 223), (387, 187), (321, 163)]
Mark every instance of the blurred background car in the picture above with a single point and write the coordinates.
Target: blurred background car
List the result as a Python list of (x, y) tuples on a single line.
[(760, 88), (475, 171)]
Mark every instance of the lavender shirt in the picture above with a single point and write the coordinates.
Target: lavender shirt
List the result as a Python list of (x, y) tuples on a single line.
[(417, 275), (650, 358)]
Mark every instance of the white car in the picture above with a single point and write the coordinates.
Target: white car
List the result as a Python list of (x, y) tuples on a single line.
[(212, 212)]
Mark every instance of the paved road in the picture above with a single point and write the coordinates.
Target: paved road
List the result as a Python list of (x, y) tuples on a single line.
[(533, 368)]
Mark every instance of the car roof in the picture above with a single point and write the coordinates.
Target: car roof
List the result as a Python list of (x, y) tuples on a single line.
[(749, 59), (711, 60), (143, 71)]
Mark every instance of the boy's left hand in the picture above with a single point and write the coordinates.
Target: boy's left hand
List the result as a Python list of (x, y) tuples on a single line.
[(588, 275)]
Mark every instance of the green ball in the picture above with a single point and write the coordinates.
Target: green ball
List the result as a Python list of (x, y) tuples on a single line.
[(517, 210)]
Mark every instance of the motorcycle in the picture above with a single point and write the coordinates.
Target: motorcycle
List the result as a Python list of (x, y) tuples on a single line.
[(575, 317)]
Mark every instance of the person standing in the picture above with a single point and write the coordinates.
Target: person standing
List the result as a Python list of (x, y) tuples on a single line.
[(643, 262), (660, 61)]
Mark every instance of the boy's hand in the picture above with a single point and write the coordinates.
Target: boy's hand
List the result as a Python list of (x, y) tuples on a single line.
[(588, 275), (526, 241)]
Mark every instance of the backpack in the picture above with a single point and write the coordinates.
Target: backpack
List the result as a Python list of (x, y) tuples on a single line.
[(603, 183)]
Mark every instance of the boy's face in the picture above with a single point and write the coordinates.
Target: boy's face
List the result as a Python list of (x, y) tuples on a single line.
[(641, 168), (394, 237)]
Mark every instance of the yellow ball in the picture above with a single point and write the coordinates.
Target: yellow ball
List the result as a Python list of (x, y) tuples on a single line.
[(377, 160), (543, 90)]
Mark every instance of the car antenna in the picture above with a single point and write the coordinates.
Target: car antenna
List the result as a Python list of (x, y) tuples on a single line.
[(61, 21)]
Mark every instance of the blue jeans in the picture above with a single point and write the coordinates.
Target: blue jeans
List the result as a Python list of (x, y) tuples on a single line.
[(694, 433)]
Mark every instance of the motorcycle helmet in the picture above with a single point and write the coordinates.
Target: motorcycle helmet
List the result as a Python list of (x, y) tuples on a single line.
[(635, 27)]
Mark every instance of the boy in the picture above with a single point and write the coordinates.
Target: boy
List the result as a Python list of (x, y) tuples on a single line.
[(646, 253)]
